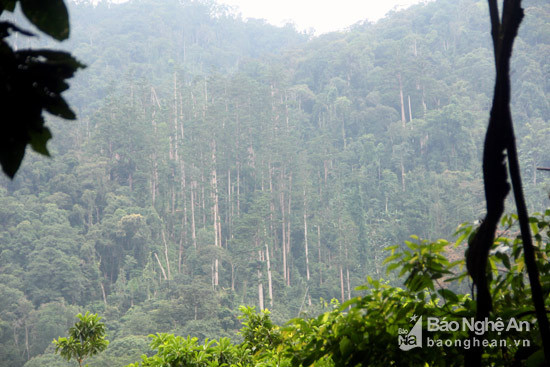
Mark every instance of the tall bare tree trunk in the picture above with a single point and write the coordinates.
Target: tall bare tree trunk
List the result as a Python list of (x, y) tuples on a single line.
[(347, 275), (193, 227), (184, 219), (103, 292), (166, 254), (403, 119), (305, 237), (161, 267), (176, 142), (342, 284), (269, 281), (260, 284), (215, 210), (155, 179), (283, 228), (410, 109), (238, 188), (288, 226), (319, 249), (402, 175)]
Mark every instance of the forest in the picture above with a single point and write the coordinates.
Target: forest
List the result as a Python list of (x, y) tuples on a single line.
[(222, 167)]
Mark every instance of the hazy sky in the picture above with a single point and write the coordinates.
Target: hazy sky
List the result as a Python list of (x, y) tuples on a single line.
[(322, 15)]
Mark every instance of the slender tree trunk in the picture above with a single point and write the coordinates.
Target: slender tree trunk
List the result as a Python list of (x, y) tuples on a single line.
[(203, 199), (403, 119), (238, 188), (27, 341), (154, 178), (269, 281), (283, 229), (183, 236), (319, 249), (424, 106), (215, 209), (271, 206), (402, 175), (410, 109), (342, 284), (260, 284), (103, 293), (193, 227), (288, 226), (305, 237), (232, 277), (166, 254), (176, 143), (347, 275), (161, 267)]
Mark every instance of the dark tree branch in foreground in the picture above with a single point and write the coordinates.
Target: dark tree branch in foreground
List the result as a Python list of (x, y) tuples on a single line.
[(31, 82), (499, 140)]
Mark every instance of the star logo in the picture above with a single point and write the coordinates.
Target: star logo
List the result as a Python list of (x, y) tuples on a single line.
[(413, 318)]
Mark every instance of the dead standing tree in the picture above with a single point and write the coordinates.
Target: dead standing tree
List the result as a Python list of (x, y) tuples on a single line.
[(499, 142)]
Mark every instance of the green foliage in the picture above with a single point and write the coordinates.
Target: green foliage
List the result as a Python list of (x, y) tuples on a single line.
[(184, 103), (364, 331), (259, 333), (178, 351), (86, 338)]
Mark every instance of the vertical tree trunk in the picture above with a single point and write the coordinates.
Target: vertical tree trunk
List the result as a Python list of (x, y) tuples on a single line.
[(193, 227), (238, 188), (103, 293), (203, 197), (283, 226), (161, 267), (305, 237), (424, 106), (288, 227), (176, 142), (166, 254), (403, 119), (347, 275), (155, 179), (271, 207), (260, 284), (183, 236), (319, 249), (402, 175), (410, 109), (215, 209), (27, 340), (232, 277), (269, 281), (342, 284)]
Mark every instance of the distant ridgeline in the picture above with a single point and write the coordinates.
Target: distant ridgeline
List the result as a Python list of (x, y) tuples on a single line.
[(218, 162)]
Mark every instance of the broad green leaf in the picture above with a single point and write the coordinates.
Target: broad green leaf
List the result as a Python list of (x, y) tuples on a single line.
[(345, 346), (39, 140), (448, 295)]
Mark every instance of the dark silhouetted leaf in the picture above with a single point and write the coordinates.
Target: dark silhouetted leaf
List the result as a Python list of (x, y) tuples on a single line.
[(39, 139), (50, 16)]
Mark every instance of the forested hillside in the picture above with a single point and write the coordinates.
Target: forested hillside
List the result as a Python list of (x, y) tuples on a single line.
[(218, 162)]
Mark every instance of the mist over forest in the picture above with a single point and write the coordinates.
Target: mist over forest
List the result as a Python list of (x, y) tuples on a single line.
[(219, 162)]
